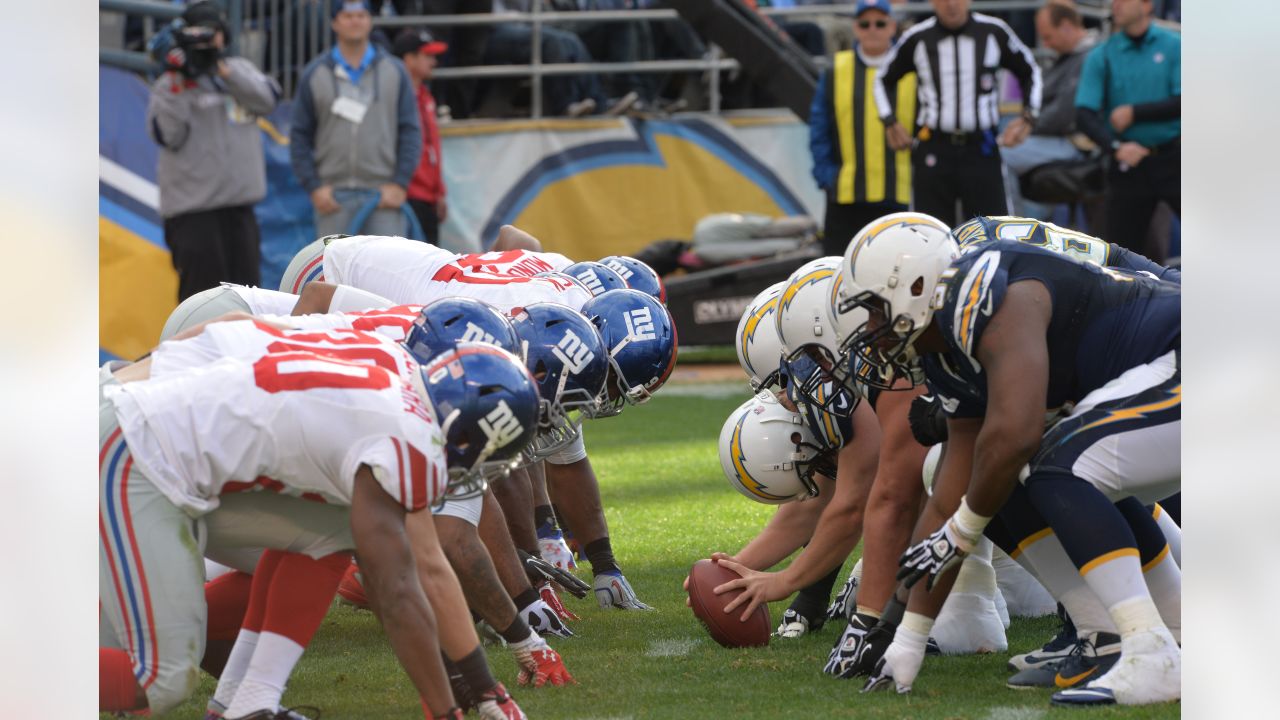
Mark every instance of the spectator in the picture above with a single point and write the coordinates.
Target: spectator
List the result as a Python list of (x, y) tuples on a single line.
[(203, 114), (616, 42), (419, 50), (863, 177), (1061, 29), (355, 130), (956, 156), (1130, 103), (512, 43)]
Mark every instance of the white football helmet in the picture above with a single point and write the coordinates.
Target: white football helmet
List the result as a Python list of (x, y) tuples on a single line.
[(769, 454), (759, 348), (891, 269), (808, 337)]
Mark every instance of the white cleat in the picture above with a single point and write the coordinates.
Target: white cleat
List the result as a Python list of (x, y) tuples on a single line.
[(1149, 671)]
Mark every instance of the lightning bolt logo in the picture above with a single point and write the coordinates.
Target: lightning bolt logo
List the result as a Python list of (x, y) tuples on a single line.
[(753, 322), (794, 288), (755, 487), (1136, 413)]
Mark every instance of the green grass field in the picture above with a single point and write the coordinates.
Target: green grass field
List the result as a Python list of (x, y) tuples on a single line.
[(668, 505)]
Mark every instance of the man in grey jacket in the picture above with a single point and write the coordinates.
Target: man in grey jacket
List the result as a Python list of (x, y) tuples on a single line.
[(355, 136), (203, 113), (1061, 29)]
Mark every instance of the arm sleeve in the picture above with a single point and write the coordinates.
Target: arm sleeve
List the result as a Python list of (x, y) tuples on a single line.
[(168, 113), (825, 158), (408, 131), (302, 136), (1090, 122), (1167, 109), (256, 92), (899, 63), (1017, 59)]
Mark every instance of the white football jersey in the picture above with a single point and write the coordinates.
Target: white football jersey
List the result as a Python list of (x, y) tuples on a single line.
[(392, 323), (407, 271), (249, 340), (262, 301), (298, 423)]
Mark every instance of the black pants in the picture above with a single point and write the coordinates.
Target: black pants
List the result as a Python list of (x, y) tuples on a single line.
[(213, 246), (842, 222), (427, 218), (942, 173), (1132, 196)]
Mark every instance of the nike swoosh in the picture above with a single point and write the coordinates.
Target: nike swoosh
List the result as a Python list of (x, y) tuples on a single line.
[(987, 310), (1066, 682)]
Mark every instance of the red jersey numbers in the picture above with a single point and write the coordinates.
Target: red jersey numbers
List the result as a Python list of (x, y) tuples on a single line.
[(283, 372)]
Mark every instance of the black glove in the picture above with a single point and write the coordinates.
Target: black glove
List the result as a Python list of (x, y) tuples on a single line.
[(928, 424), (539, 571)]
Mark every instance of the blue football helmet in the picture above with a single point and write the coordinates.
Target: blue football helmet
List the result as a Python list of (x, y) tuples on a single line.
[(487, 405), (567, 358), (640, 338), (562, 277), (448, 321), (831, 422), (597, 278), (637, 274)]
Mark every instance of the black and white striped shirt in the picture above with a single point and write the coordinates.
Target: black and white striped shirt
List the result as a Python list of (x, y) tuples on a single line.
[(957, 87)]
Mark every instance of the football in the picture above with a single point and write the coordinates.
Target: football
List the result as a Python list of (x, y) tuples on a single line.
[(726, 629)]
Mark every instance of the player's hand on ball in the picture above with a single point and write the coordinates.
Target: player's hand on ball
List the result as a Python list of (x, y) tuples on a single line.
[(757, 587)]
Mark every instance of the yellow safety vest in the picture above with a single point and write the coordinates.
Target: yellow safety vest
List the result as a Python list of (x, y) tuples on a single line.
[(865, 174)]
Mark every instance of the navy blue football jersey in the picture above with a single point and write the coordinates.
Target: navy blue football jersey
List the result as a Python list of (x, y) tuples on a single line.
[(987, 228), (1104, 321)]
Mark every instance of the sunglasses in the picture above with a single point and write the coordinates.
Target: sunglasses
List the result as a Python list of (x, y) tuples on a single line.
[(868, 24)]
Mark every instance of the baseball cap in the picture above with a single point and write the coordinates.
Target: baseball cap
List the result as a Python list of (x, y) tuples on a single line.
[(865, 5), (351, 6), (206, 13), (417, 40)]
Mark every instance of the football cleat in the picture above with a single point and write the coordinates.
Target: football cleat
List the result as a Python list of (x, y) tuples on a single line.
[(351, 589), (1089, 659), (1149, 671), (539, 664), (497, 704), (794, 625), (281, 714), (1056, 649), (613, 590)]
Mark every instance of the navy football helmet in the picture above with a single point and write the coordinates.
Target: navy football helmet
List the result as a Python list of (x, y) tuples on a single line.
[(567, 358), (487, 405), (448, 321), (637, 274), (597, 278), (830, 420), (640, 338)]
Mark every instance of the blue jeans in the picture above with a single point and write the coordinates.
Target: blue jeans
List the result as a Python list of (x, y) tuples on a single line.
[(512, 44), (1033, 152)]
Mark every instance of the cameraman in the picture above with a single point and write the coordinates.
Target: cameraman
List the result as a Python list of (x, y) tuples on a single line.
[(203, 113)]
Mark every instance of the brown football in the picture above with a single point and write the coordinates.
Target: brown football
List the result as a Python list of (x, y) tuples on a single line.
[(725, 628)]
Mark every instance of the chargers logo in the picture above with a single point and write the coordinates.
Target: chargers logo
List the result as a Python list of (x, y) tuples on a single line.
[(501, 426), (573, 353), (640, 325)]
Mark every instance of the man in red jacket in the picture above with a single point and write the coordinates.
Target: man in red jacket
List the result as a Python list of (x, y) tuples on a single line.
[(418, 49)]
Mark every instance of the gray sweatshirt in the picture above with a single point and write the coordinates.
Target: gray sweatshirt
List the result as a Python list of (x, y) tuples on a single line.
[(210, 144)]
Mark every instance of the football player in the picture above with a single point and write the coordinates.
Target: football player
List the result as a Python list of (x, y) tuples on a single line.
[(161, 467), (995, 331)]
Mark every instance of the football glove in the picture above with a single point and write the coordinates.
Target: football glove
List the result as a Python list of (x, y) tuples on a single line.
[(613, 590), (555, 550), (539, 664), (859, 648), (544, 620), (839, 608), (548, 593), (540, 571), (928, 423), (900, 664), (932, 556), (496, 704)]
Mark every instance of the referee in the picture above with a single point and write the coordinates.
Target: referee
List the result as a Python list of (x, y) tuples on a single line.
[(955, 56), (863, 177)]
